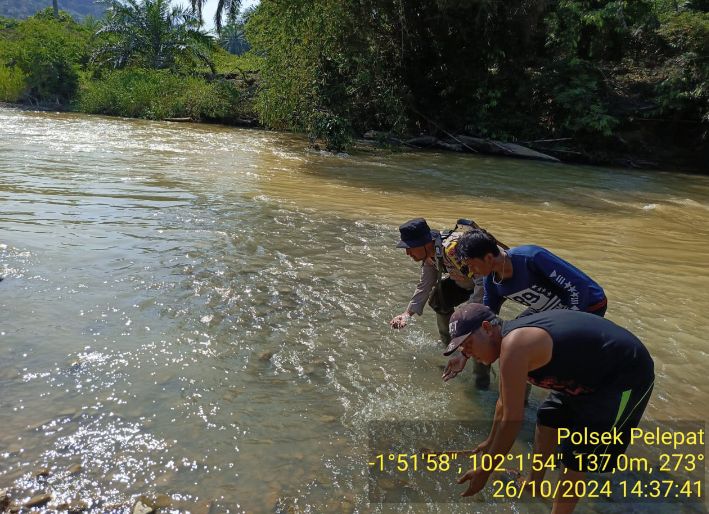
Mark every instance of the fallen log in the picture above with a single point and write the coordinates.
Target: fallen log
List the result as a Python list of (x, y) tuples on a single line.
[(452, 147), (493, 147), (422, 141), (466, 144), (523, 152)]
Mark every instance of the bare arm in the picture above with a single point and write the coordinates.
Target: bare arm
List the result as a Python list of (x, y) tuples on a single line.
[(485, 445), (509, 411)]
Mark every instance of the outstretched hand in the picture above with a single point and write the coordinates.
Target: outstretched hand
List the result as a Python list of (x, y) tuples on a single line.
[(478, 479), (455, 365), (400, 321)]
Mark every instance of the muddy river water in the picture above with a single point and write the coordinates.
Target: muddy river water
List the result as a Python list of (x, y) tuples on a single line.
[(201, 311)]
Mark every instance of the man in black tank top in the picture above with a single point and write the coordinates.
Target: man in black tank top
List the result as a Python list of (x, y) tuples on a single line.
[(600, 374)]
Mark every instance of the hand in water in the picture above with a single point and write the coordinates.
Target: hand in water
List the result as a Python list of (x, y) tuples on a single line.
[(400, 321), (455, 365), (478, 479)]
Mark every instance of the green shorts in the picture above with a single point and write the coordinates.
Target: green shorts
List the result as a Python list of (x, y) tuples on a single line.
[(606, 411)]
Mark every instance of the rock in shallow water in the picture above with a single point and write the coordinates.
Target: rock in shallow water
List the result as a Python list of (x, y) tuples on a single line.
[(74, 469), (4, 499), (203, 507), (41, 472), (40, 499), (77, 506), (140, 508), (162, 501), (265, 356)]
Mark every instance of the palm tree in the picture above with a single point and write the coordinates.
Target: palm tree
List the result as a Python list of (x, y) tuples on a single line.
[(232, 38), (230, 8), (151, 33)]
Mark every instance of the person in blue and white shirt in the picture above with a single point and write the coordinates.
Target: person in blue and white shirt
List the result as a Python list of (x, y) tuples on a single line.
[(530, 275)]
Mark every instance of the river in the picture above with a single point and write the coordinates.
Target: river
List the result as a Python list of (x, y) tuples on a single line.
[(202, 311)]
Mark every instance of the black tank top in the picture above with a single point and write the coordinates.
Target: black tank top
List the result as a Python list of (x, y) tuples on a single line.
[(589, 353)]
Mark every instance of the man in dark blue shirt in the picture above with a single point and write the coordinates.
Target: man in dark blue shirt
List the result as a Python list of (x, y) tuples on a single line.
[(530, 275)]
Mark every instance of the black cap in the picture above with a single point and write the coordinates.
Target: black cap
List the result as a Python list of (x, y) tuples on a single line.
[(414, 233), (465, 321)]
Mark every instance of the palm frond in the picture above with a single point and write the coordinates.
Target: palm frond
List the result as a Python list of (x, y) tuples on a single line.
[(150, 32), (228, 7)]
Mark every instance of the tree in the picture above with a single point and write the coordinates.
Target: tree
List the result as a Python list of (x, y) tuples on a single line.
[(55, 5), (232, 38), (230, 8), (152, 34), (48, 53)]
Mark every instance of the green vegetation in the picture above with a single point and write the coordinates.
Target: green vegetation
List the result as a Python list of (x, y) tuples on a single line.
[(159, 94), (605, 77), (48, 53), (230, 8), (12, 83), (152, 34), (684, 90), (145, 59), (233, 39), (627, 75)]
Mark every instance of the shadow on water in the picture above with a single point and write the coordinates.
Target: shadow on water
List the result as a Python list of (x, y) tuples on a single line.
[(449, 177)]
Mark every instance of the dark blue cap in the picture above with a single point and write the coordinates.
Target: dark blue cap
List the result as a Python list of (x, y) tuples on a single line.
[(466, 320), (414, 233)]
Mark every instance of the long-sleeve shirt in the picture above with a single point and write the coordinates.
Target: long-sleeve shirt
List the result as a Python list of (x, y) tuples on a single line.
[(542, 281), (429, 279)]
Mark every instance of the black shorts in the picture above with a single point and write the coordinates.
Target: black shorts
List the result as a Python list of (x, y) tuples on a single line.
[(613, 411)]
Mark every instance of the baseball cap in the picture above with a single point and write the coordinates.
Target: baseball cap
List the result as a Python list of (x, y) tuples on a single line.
[(465, 321), (414, 233)]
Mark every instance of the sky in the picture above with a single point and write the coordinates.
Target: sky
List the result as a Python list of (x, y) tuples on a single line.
[(211, 6)]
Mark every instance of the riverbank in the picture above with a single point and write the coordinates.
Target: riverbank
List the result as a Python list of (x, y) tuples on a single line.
[(563, 150), (621, 86)]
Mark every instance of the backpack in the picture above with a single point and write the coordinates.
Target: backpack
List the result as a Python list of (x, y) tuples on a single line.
[(446, 243)]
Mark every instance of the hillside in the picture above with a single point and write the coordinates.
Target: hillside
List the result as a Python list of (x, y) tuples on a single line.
[(24, 8)]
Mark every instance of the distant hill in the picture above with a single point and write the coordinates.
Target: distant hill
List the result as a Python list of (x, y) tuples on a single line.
[(23, 8)]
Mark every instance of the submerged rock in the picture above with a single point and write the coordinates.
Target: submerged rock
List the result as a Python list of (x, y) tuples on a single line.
[(204, 507), (141, 508), (287, 505), (162, 501), (41, 472), (265, 356), (4, 499), (74, 469), (39, 500), (77, 506)]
